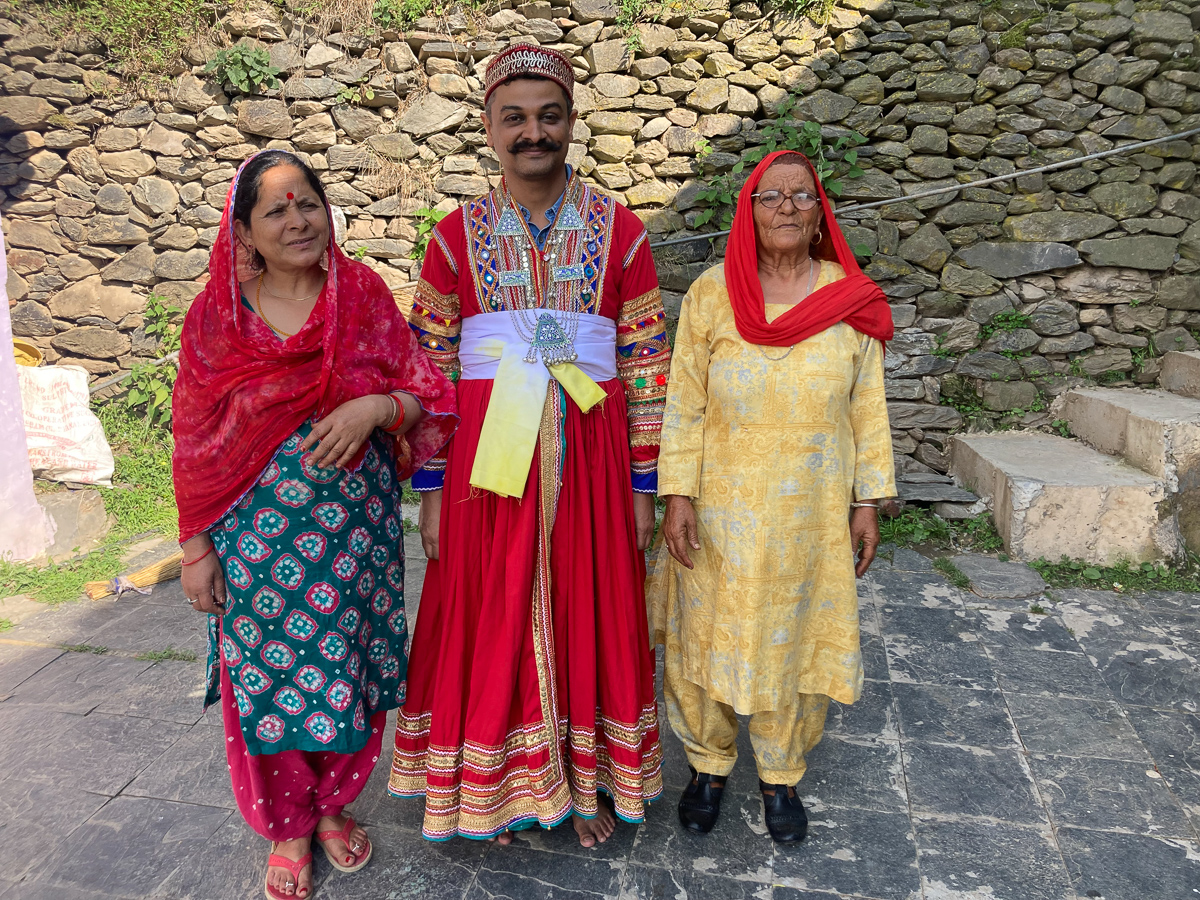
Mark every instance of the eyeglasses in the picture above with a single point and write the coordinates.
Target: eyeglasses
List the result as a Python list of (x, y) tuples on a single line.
[(774, 199)]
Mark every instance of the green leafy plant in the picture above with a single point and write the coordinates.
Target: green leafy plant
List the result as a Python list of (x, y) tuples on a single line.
[(142, 498), (426, 219), (1009, 320), (629, 14), (247, 68), (5, 625), (914, 526), (1038, 610), (832, 162), (356, 95), (151, 384), (1124, 577)]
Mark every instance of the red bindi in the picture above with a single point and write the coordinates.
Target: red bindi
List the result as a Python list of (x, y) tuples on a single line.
[(291, 196)]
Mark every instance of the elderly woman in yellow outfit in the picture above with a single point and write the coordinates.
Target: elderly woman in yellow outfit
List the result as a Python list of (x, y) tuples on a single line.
[(775, 453)]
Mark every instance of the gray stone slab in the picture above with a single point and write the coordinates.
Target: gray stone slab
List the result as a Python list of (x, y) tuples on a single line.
[(949, 780), (872, 715), (954, 716), (42, 890), (77, 682), (100, 753), (149, 628), (1157, 602), (37, 817), (996, 580), (1075, 727), (1120, 866), (852, 851), (564, 840), (1047, 673), (944, 625), (69, 623), (131, 846), (933, 493), (874, 657), (172, 691), (405, 866), (912, 661), (519, 872), (231, 863), (18, 663), (738, 846), (963, 858), (855, 772), (905, 560), (929, 590), (648, 883), (193, 770), (1109, 795), (1172, 738), (1005, 628)]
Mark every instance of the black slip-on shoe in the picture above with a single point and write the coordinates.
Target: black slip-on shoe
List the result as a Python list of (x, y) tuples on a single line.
[(785, 815), (701, 803)]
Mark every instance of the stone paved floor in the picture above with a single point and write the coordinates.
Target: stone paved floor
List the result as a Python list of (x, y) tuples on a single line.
[(995, 755)]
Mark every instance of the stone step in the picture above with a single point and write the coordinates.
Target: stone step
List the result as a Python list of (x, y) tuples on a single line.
[(1181, 373), (1157, 431), (1052, 496)]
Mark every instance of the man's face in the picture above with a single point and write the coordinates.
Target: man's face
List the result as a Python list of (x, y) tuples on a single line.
[(530, 127)]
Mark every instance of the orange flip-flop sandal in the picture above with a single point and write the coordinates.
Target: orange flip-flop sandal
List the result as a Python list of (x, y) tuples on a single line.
[(344, 834), (295, 866)]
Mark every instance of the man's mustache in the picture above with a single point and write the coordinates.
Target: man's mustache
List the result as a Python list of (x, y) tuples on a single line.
[(545, 144)]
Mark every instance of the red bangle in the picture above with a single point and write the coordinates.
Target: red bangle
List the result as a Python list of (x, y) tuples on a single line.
[(399, 420), (200, 557)]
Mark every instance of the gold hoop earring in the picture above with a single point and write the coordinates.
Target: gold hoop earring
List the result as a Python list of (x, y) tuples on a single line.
[(820, 237)]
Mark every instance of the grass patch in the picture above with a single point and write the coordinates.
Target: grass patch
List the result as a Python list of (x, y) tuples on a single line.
[(917, 527), (84, 648), (168, 655), (144, 37), (142, 498), (1038, 610), (58, 582), (952, 573), (1125, 577), (5, 625)]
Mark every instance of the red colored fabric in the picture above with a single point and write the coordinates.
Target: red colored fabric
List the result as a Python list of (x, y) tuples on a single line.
[(472, 676), (282, 796), (242, 392), (855, 299)]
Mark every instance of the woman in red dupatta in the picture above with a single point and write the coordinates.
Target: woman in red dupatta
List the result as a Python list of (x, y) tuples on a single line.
[(302, 402), (775, 452)]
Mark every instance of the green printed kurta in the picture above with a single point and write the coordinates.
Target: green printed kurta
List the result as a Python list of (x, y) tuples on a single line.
[(315, 634)]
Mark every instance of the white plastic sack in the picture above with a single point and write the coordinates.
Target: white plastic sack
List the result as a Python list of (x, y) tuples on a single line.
[(65, 439)]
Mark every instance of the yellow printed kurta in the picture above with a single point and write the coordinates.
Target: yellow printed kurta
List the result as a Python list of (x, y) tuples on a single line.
[(772, 445)]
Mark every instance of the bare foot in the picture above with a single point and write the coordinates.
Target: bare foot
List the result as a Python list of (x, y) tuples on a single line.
[(336, 847), (597, 830), (504, 838), (281, 879)]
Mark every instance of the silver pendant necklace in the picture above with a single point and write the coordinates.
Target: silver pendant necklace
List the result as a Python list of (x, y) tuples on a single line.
[(812, 276)]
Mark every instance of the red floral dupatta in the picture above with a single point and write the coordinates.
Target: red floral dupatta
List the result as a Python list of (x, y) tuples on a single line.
[(855, 299), (242, 392)]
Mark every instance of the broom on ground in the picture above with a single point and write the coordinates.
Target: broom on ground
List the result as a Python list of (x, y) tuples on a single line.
[(155, 573)]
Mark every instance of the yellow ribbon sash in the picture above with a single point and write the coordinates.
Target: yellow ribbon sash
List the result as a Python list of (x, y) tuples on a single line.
[(514, 415)]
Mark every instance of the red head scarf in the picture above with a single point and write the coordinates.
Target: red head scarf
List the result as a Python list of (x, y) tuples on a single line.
[(855, 299), (242, 392)]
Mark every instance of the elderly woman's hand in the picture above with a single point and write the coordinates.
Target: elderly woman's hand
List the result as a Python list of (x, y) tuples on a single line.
[(679, 528), (864, 537), (338, 436)]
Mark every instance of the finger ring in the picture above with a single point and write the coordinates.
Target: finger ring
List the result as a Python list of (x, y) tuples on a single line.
[(190, 600)]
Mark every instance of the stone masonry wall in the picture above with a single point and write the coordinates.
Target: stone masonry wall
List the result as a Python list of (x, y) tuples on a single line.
[(1004, 295)]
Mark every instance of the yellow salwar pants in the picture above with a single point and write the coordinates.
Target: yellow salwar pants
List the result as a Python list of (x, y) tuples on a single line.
[(708, 729)]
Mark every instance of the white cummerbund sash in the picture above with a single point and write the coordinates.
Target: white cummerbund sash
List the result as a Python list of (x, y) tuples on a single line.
[(485, 336)]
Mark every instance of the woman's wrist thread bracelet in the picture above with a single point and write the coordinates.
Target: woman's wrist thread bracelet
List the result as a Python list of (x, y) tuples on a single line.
[(861, 505), (200, 557)]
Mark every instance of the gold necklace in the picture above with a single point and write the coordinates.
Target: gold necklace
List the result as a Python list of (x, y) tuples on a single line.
[(262, 315), (289, 299), (812, 270)]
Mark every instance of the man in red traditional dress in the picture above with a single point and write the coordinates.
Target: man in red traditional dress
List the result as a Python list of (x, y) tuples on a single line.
[(531, 679)]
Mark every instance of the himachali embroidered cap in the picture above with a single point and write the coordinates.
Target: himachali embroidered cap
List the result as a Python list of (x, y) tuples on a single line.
[(530, 59)]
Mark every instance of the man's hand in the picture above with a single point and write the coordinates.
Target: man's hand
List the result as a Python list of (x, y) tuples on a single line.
[(429, 520), (643, 519), (679, 528), (864, 537)]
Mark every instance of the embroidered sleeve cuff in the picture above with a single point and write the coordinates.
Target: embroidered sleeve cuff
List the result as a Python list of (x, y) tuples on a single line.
[(427, 480), (645, 482)]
